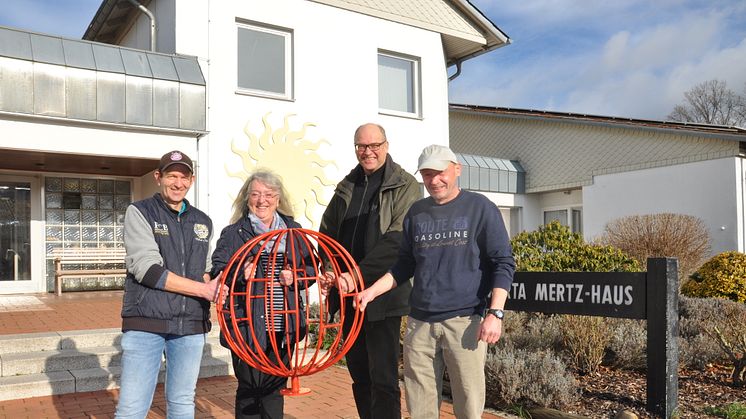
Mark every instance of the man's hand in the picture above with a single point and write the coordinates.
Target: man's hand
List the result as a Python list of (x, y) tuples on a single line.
[(491, 329), (345, 283), (212, 291), (363, 298)]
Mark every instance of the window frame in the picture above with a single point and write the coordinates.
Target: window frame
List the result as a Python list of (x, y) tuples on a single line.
[(416, 84), (568, 210), (288, 35)]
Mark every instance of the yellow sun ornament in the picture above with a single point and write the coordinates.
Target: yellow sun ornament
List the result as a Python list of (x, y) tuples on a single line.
[(293, 157)]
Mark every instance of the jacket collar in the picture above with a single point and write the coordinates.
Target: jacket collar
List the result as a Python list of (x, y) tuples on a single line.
[(163, 203), (392, 177)]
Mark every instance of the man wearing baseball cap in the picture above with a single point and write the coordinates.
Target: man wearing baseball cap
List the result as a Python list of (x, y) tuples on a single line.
[(167, 293), (456, 245)]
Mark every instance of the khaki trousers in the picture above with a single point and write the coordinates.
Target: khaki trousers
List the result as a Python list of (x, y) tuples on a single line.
[(430, 348)]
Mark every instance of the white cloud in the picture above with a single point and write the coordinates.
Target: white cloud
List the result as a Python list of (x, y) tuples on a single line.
[(629, 59)]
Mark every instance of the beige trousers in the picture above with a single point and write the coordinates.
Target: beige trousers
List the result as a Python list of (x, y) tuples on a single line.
[(430, 348)]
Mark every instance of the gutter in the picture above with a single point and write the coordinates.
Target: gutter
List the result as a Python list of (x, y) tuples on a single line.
[(488, 26), (152, 22)]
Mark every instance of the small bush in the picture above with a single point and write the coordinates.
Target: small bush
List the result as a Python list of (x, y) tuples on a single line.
[(731, 337), (661, 235), (585, 339), (696, 347), (532, 331), (553, 248), (627, 347), (520, 377), (730, 411), (723, 276)]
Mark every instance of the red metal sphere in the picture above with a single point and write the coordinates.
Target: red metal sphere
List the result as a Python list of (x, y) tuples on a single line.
[(248, 319)]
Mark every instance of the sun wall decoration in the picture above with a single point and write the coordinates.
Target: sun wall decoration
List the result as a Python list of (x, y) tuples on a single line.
[(291, 155)]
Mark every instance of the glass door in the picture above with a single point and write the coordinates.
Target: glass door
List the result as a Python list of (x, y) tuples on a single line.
[(15, 234)]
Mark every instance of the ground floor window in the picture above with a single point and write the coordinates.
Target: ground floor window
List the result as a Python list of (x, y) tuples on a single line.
[(570, 217), (84, 213)]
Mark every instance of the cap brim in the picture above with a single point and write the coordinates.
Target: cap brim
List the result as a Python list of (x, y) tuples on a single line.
[(434, 165), (181, 163)]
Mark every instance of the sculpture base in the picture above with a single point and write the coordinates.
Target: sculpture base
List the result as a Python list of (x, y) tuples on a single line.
[(295, 389)]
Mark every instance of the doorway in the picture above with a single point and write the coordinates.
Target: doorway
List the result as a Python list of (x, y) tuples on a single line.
[(16, 216)]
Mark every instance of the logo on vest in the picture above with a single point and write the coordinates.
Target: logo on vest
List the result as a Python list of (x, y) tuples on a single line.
[(201, 232), (160, 228)]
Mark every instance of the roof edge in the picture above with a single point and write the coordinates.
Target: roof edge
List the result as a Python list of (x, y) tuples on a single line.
[(734, 132)]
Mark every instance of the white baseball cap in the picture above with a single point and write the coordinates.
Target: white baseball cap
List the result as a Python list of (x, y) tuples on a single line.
[(436, 157)]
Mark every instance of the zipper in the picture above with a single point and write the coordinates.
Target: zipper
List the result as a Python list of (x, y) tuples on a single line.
[(183, 272), (359, 211)]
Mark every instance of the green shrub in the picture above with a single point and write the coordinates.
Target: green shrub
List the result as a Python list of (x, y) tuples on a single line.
[(730, 411), (722, 276), (330, 334), (661, 235), (519, 377), (554, 248)]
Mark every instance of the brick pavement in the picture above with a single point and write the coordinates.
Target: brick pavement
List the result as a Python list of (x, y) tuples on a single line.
[(331, 395)]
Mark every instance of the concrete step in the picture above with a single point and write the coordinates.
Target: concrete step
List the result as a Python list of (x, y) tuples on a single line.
[(78, 359), (66, 362)]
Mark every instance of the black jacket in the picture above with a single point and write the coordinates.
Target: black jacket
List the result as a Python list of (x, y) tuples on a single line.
[(159, 240), (232, 238), (383, 234)]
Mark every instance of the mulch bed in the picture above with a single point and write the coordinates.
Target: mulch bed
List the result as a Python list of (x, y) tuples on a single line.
[(611, 390)]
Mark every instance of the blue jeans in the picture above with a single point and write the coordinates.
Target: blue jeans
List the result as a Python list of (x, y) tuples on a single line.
[(141, 361)]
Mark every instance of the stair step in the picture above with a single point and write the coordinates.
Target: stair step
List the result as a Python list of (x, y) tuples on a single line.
[(217, 363), (77, 359), (40, 364)]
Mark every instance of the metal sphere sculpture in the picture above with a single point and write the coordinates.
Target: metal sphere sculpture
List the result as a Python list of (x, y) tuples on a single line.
[(262, 318)]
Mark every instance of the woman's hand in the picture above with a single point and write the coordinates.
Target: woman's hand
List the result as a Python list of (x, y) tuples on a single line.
[(286, 277)]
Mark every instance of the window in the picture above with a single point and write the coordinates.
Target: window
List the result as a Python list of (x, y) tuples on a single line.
[(398, 85), (570, 217), (265, 61), (557, 215)]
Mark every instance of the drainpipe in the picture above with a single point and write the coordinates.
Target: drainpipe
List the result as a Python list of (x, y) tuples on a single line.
[(152, 22), (458, 70)]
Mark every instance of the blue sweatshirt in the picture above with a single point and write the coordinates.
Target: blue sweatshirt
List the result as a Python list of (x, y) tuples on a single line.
[(458, 252)]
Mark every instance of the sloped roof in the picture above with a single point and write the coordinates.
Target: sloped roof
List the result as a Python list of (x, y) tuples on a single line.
[(562, 151), (111, 19), (465, 31)]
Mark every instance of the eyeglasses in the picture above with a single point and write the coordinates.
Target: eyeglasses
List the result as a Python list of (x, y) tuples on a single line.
[(372, 146), (269, 196)]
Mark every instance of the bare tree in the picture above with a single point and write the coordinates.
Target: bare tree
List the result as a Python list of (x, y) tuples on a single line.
[(711, 102)]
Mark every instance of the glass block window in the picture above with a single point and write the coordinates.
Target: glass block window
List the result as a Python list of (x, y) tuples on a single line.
[(85, 212)]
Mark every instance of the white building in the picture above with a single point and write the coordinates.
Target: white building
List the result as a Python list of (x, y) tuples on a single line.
[(586, 171), (234, 84)]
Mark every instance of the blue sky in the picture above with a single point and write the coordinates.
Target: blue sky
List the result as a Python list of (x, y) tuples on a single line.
[(627, 58)]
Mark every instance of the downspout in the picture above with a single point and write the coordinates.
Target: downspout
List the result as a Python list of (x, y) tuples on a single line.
[(458, 70), (152, 22)]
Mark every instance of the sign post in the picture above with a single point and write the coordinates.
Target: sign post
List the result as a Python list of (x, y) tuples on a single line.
[(651, 295)]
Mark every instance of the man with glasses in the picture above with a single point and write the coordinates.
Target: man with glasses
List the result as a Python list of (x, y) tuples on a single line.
[(365, 216)]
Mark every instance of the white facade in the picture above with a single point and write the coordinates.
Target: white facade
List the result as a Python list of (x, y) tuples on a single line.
[(710, 190), (590, 170), (306, 135), (334, 90)]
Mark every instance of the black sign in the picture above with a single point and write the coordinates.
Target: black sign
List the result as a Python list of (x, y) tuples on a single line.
[(608, 294)]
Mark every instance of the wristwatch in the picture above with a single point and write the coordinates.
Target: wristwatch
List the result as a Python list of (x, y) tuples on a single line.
[(495, 312)]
